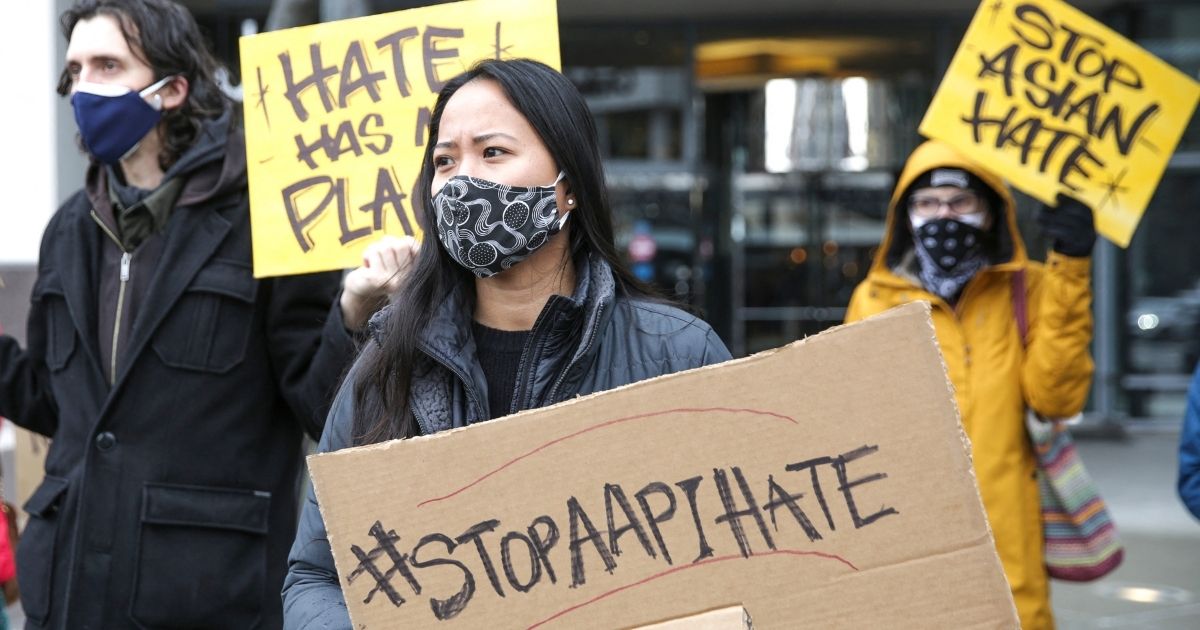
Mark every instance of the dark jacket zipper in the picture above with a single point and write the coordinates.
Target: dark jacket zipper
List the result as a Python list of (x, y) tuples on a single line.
[(126, 260), (526, 368), (422, 424), (591, 337)]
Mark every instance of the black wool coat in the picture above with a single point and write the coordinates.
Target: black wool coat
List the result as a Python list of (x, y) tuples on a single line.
[(171, 489)]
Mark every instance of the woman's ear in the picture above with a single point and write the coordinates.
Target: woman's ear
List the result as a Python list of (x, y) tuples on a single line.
[(569, 202)]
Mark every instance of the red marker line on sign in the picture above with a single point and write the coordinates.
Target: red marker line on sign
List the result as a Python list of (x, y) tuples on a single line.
[(604, 425), (787, 552)]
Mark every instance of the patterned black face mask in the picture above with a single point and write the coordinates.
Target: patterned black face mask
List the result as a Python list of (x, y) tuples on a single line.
[(950, 253), (488, 227), (948, 241)]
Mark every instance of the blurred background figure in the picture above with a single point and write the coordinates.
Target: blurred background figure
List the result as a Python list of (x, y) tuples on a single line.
[(952, 240), (1189, 450), (8, 533)]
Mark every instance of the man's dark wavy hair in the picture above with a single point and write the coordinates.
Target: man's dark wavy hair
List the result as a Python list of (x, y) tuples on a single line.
[(165, 36)]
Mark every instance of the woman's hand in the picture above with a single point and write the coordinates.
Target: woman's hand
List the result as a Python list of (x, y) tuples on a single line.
[(385, 265), (1069, 226)]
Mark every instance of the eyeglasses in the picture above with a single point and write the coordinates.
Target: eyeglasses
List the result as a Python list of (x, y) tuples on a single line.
[(960, 204)]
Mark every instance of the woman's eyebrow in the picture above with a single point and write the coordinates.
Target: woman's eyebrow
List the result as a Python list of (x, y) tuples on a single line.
[(480, 139)]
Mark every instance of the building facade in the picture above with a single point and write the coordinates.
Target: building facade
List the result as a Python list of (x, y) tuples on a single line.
[(752, 147)]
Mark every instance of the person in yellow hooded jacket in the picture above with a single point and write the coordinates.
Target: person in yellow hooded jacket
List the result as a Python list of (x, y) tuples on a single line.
[(952, 240)]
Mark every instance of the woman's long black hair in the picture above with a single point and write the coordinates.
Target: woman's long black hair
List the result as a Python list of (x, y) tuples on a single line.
[(560, 117)]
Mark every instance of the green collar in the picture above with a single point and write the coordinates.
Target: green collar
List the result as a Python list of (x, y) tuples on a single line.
[(146, 217)]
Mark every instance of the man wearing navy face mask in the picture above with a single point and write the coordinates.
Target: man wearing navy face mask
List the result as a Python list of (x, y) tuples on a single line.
[(952, 240), (175, 386)]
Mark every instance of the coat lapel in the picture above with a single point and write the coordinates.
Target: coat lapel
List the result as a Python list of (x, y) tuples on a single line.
[(193, 235), (76, 262)]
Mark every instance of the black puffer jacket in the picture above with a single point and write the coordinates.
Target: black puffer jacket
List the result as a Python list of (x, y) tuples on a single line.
[(593, 341)]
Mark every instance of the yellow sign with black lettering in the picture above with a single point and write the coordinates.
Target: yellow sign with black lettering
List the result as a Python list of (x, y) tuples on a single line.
[(1056, 102), (337, 116)]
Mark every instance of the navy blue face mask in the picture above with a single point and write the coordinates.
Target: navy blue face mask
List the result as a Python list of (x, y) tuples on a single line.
[(113, 119)]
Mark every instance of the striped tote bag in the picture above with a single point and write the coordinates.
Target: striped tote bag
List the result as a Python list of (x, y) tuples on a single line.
[(1081, 543)]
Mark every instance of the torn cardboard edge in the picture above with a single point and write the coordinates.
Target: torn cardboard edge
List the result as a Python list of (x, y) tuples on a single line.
[(728, 618)]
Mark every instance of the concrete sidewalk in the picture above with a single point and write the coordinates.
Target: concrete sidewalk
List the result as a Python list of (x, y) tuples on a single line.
[(1158, 585)]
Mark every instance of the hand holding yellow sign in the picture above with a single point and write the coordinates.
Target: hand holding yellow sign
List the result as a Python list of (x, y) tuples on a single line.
[(337, 116), (1056, 102)]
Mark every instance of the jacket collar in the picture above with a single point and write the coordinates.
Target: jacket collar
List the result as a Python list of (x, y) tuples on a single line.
[(144, 217), (194, 235), (75, 255), (448, 339), (562, 344), (214, 166), (593, 308)]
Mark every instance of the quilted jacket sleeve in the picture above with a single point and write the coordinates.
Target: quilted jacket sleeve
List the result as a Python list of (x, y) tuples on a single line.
[(312, 595)]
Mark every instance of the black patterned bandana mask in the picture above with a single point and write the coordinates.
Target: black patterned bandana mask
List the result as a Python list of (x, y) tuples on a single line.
[(488, 227), (950, 252)]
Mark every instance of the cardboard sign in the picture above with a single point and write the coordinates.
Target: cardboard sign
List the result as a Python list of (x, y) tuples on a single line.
[(825, 484), (1056, 102), (337, 116)]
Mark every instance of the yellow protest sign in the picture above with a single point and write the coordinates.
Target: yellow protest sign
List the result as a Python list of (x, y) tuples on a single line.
[(337, 116), (1054, 101)]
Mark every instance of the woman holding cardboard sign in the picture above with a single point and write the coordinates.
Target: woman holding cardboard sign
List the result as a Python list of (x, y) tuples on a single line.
[(518, 302), (952, 240)]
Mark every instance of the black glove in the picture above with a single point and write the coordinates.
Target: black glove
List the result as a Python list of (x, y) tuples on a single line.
[(1070, 227)]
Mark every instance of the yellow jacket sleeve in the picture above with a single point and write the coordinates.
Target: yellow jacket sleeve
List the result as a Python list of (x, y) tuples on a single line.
[(1057, 370)]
